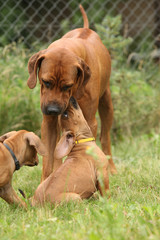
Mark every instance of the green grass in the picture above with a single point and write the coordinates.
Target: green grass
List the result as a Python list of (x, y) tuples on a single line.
[(132, 211)]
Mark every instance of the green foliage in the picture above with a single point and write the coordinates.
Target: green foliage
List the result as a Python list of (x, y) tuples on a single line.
[(135, 91), (136, 102), (19, 106), (109, 32), (65, 27)]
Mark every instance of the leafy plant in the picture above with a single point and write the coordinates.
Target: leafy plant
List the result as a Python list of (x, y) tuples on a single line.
[(19, 106), (135, 98), (109, 31)]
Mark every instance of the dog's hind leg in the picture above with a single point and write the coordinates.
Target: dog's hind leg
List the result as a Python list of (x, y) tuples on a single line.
[(106, 115)]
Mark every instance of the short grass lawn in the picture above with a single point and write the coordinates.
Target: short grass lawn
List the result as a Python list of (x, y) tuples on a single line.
[(132, 211)]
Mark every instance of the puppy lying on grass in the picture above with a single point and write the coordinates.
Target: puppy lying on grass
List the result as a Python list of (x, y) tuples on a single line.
[(83, 172), (17, 149)]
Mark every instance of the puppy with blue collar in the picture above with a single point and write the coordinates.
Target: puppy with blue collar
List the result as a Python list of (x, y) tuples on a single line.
[(17, 149)]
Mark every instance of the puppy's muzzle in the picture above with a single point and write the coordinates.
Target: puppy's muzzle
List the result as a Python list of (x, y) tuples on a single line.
[(36, 164), (52, 109)]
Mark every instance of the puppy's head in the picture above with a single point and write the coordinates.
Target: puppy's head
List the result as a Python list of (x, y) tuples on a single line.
[(73, 120), (25, 145), (61, 74), (74, 127), (7, 135)]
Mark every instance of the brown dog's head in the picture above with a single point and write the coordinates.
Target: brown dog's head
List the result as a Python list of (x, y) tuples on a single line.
[(61, 75), (25, 146)]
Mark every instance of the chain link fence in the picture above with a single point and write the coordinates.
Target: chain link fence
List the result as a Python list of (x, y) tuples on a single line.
[(41, 22)]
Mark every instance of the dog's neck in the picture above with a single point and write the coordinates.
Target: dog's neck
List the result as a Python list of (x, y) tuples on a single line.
[(82, 146), (84, 140), (84, 134), (85, 137), (13, 155)]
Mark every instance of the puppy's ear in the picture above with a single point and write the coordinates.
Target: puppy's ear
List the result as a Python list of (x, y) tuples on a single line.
[(35, 141), (33, 64), (7, 135), (83, 76), (65, 145)]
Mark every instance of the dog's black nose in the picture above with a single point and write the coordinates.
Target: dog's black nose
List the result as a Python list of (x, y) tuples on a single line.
[(53, 110)]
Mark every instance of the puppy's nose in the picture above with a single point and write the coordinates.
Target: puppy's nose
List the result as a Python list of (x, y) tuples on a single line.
[(53, 110), (36, 161)]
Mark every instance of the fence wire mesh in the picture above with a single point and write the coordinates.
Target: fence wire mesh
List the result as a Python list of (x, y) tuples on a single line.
[(39, 22)]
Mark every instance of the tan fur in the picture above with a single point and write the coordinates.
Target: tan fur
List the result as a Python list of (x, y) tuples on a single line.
[(25, 146), (85, 19)]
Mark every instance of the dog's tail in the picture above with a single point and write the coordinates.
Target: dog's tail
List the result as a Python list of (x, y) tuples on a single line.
[(21, 192), (85, 18)]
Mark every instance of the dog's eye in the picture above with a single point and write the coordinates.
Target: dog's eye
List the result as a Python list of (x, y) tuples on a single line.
[(66, 87), (47, 84), (65, 114), (69, 135)]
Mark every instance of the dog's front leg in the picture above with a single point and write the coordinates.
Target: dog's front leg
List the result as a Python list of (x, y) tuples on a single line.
[(50, 136), (10, 196)]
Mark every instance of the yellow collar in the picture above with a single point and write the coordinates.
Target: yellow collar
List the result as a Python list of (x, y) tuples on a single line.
[(85, 140)]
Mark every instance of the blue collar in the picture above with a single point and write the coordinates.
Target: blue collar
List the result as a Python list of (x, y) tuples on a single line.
[(17, 164)]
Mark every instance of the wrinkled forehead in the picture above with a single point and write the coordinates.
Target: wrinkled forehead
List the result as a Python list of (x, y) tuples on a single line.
[(59, 59), (57, 68)]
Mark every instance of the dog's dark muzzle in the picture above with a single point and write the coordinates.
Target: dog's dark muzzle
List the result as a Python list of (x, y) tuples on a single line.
[(52, 110)]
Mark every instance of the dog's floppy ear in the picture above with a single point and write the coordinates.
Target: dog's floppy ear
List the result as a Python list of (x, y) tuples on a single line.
[(33, 64), (83, 75), (35, 141), (65, 145), (7, 135)]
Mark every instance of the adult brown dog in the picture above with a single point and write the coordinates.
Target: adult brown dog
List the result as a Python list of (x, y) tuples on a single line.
[(21, 147), (76, 65), (83, 172)]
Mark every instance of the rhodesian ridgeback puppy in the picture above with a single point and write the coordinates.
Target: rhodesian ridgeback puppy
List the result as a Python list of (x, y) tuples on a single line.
[(16, 150), (85, 168), (76, 65)]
